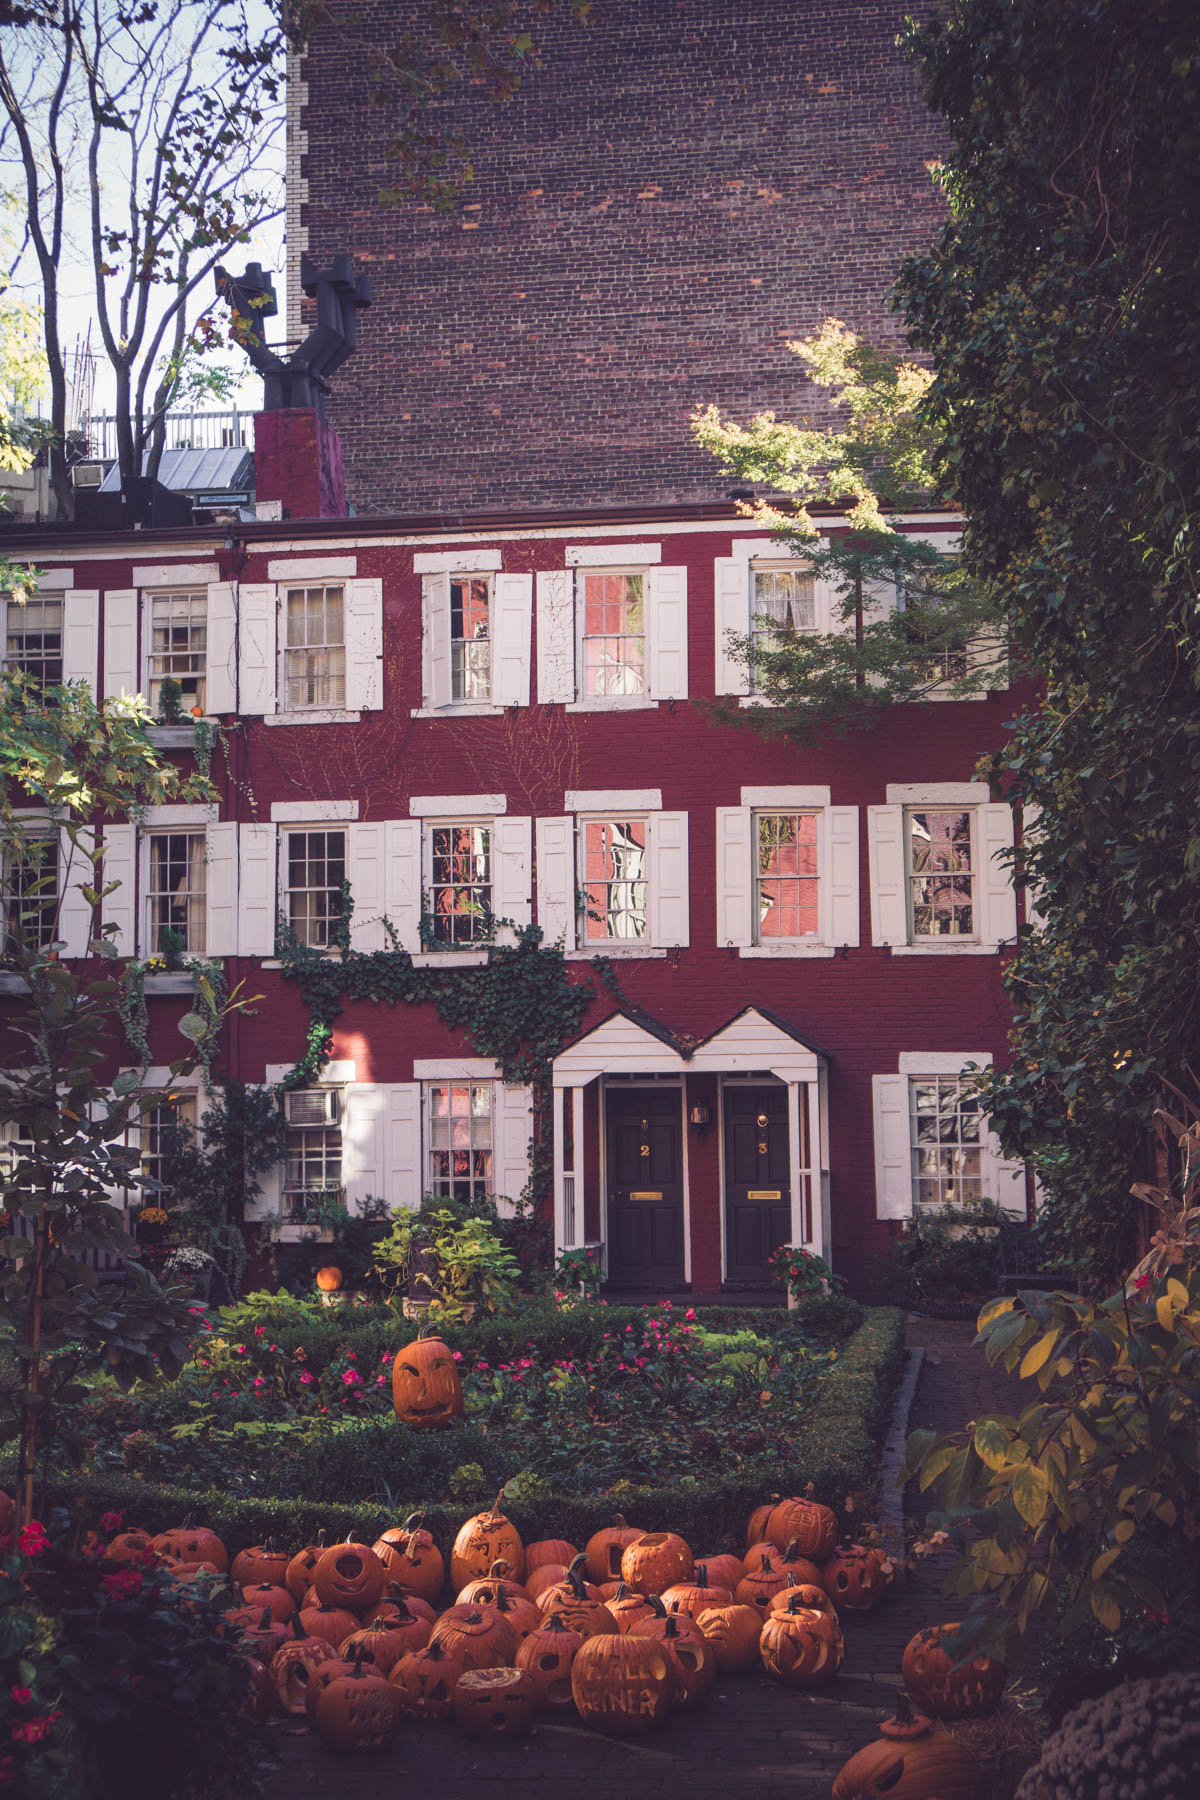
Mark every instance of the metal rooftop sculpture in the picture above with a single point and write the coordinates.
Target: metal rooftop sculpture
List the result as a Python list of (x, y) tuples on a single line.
[(302, 379)]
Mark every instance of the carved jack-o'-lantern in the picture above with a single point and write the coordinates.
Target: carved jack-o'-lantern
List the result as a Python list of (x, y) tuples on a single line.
[(688, 1651), (813, 1526), (852, 1579), (761, 1582), (800, 1646), (193, 1545), (807, 1595), (320, 1677), (548, 1655), (298, 1574), (605, 1549), (259, 1699), (723, 1570), (357, 1712), (426, 1389), (909, 1761), (477, 1636), (655, 1561), (942, 1690), (486, 1589), (486, 1538), (412, 1559), (495, 1703), (623, 1685), (629, 1608), (578, 1604), (547, 1575), (696, 1596), (291, 1667), (425, 1681), (276, 1599), (262, 1562), (387, 1640), (733, 1633), (130, 1547), (349, 1575), (260, 1633)]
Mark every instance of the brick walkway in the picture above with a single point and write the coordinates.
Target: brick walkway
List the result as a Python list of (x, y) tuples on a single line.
[(754, 1741)]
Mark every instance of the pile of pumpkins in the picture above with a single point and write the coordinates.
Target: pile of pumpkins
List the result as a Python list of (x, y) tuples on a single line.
[(617, 1634)]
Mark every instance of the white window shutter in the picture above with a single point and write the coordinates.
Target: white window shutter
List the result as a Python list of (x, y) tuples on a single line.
[(667, 632), (997, 895), (842, 926), (366, 872), (893, 1157), (556, 635), (258, 898), (402, 847), (731, 613), (76, 916), (120, 642), (81, 635), (435, 659), (885, 855), (512, 623), (221, 890), (1006, 1183), (669, 911), (403, 1174), (512, 1121), (1031, 817), (556, 880), (512, 869), (220, 658), (364, 645), (364, 1142), (118, 908), (269, 1198), (258, 610), (735, 871)]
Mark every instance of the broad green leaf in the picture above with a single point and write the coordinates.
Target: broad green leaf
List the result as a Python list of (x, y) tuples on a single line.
[(193, 1026), (1105, 1561), (1030, 1492), (994, 1310)]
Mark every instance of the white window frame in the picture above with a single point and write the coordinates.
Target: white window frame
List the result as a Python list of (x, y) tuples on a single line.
[(787, 565), (561, 869), (302, 709), (474, 945), (1002, 1179), (308, 826), (443, 1082), (17, 615), (592, 946), (510, 624), (175, 828), (837, 873), (334, 1101), (914, 877), (994, 914), (37, 828), (470, 701), (169, 593), (606, 702)]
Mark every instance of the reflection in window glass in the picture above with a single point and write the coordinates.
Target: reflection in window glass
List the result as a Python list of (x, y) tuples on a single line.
[(941, 882), (316, 869), (786, 877), (614, 635), (946, 1128), (460, 885), (615, 888), (460, 1140), (470, 649), (315, 655)]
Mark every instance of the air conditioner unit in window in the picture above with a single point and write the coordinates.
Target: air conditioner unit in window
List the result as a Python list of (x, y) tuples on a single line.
[(87, 474), (313, 1106)]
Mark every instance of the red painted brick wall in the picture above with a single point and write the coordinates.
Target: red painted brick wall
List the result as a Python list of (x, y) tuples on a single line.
[(681, 189), (298, 461)]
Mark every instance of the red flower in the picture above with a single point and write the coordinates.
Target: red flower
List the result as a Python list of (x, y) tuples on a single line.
[(112, 1523), (126, 1584), (33, 1538), (20, 1696)]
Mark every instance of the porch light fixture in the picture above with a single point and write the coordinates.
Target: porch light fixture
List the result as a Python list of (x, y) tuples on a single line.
[(699, 1115)]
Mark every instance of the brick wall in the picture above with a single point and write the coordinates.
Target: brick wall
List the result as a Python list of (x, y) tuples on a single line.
[(680, 190)]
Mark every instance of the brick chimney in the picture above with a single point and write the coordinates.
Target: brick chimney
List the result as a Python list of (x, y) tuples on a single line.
[(298, 465)]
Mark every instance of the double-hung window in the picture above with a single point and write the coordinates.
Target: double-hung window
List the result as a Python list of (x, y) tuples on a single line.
[(470, 641), (613, 874), (314, 656), (34, 640), (476, 629), (614, 889), (941, 874), (783, 605), (614, 632), (460, 1139), (934, 1146), (458, 887), (178, 648), (612, 628), (313, 1152), (31, 891), (165, 1123), (787, 873), (175, 893), (314, 873), (946, 1140)]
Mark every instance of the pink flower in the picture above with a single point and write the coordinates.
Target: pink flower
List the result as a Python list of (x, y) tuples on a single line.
[(33, 1539), (259, 1382), (124, 1585), (305, 1378), (352, 1378), (690, 1313), (20, 1696), (457, 1356), (258, 1330), (350, 1356), (239, 1349), (112, 1522)]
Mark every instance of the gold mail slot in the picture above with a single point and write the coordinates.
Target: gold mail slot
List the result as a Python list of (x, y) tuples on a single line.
[(764, 1194), (646, 1194)]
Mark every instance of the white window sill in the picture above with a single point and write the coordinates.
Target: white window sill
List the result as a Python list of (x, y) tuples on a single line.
[(176, 737), (301, 1234), (612, 703), (449, 959), (479, 710), (943, 949), (170, 981), (617, 952), (316, 717), (768, 952), (759, 700)]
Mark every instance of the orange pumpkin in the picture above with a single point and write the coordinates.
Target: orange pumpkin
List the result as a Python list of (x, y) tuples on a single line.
[(259, 1699), (909, 1761), (483, 1540), (548, 1654), (357, 1712), (260, 1633), (695, 1596), (349, 1575), (942, 1690), (394, 1600), (807, 1594), (813, 1526), (756, 1530), (324, 1673), (297, 1577), (425, 1681), (759, 1586), (655, 1561), (732, 1633), (629, 1608), (329, 1279), (426, 1387), (477, 1636), (277, 1599), (131, 1547), (193, 1544), (724, 1570), (411, 1557), (605, 1548), (262, 1562), (800, 1646), (333, 1623), (291, 1667), (495, 1703), (622, 1685), (386, 1641), (548, 1575), (522, 1614), (487, 1587), (852, 1579), (578, 1604), (549, 1550), (690, 1655)]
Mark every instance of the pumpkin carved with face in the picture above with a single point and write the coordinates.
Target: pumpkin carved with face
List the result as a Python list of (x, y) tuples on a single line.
[(944, 1686), (426, 1390), (495, 1703), (425, 1681), (800, 1646), (910, 1762)]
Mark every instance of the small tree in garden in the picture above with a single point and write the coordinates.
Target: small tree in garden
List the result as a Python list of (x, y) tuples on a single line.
[(908, 620), (66, 1158)]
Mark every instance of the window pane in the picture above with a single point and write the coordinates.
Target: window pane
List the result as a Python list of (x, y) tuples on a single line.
[(945, 1130), (178, 647), (316, 871), (31, 881), (614, 641), (175, 893), (470, 649), (34, 640), (787, 876), (460, 1161), (941, 881), (459, 892), (315, 656), (615, 880)]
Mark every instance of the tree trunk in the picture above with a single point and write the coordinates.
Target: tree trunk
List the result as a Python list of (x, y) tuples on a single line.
[(28, 1441), (859, 675)]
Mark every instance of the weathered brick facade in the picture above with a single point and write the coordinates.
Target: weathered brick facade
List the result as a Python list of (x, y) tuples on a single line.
[(679, 191)]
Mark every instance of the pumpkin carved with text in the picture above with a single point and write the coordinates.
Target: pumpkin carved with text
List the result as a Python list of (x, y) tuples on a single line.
[(813, 1527), (357, 1712), (622, 1685), (426, 1387)]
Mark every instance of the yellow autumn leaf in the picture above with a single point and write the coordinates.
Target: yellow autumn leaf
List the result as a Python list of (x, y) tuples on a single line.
[(1177, 1293), (1165, 1311), (1166, 1512), (1036, 1357), (1104, 1562), (993, 1310), (1123, 1530), (1106, 1609)]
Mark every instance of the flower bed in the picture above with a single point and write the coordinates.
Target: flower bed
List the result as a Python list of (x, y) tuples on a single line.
[(684, 1425)]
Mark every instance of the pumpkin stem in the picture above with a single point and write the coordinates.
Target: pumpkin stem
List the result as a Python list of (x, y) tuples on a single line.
[(660, 1611), (622, 1592), (904, 1711), (495, 1512), (701, 1576), (619, 1522), (791, 1579), (792, 1551), (671, 1628), (766, 1564), (499, 1569), (413, 1521)]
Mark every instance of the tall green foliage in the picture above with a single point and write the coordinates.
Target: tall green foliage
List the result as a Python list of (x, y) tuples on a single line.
[(1060, 309)]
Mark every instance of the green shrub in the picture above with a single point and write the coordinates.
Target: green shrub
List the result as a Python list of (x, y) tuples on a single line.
[(948, 1255)]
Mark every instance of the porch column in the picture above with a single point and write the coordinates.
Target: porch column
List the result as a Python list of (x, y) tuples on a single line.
[(568, 1170)]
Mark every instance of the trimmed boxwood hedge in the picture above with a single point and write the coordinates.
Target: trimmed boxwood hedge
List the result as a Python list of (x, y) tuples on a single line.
[(836, 1450)]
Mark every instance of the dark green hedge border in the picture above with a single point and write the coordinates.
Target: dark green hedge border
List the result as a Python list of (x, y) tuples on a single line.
[(837, 1450)]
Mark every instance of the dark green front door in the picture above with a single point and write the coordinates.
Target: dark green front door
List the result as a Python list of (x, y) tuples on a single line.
[(758, 1195), (645, 1186)]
